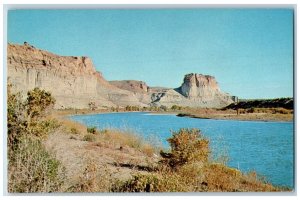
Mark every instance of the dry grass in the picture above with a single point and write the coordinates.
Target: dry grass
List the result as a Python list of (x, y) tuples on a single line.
[(33, 169), (112, 162)]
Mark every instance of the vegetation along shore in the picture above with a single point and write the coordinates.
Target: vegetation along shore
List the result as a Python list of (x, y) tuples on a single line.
[(49, 153)]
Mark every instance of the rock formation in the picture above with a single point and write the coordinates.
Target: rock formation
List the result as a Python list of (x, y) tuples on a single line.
[(74, 83), (131, 85)]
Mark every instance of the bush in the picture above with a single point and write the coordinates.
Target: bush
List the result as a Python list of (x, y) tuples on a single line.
[(187, 146), (37, 103), (91, 130), (151, 183), (175, 107), (32, 169), (89, 137), (15, 117), (27, 117), (74, 131)]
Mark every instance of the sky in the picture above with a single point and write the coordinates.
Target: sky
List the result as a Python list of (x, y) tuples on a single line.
[(248, 51)]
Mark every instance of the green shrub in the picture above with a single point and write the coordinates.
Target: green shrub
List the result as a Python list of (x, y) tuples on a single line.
[(166, 182), (91, 130), (187, 146), (16, 123), (37, 103), (42, 128), (26, 117), (74, 131), (32, 169), (89, 137)]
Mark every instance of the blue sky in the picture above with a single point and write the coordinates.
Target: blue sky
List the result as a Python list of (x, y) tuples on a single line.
[(249, 51)]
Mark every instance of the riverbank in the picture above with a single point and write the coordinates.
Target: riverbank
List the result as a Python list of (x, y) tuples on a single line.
[(243, 117), (98, 162), (201, 113), (118, 156)]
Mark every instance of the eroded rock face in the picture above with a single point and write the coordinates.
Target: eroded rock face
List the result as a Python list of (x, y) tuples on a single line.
[(74, 83), (131, 85), (198, 85)]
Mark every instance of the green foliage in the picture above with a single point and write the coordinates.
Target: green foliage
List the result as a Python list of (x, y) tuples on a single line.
[(32, 169), (176, 107), (139, 183), (187, 146), (26, 117), (42, 128), (92, 130), (132, 108), (38, 101), (163, 108), (15, 116), (151, 183), (74, 131), (89, 137)]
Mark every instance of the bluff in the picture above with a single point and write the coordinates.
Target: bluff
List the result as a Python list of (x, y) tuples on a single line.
[(72, 80), (74, 83)]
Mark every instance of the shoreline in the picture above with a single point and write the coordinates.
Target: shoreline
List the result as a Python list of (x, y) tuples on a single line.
[(232, 117), (259, 117)]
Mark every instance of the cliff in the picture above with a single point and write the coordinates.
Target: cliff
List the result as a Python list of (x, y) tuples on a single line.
[(131, 85), (74, 83)]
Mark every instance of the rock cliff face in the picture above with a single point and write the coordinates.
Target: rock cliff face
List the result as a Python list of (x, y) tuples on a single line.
[(74, 83), (198, 85), (131, 85)]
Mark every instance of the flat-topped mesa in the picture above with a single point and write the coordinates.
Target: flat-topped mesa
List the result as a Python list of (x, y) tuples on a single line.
[(131, 85), (198, 85)]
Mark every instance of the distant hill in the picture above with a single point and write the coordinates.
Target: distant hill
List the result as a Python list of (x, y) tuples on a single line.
[(287, 103)]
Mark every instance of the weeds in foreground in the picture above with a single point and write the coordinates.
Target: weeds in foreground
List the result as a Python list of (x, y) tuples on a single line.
[(30, 167), (93, 179), (187, 169), (89, 137), (33, 169)]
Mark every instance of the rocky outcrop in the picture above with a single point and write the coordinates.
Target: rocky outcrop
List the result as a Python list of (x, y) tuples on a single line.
[(204, 91), (198, 85), (131, 85), (74, 83), (197, 90)]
